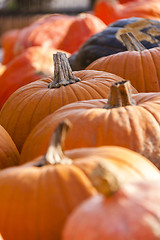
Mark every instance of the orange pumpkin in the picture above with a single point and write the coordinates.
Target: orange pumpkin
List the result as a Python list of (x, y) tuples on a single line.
[(33, 64), (9, 155), (111, 11), (30, 104), (59, 31), (126, 120), (139, 65), (41, 194), (118, 212)]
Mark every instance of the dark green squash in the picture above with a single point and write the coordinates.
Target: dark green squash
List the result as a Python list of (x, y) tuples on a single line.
[(109, 42)]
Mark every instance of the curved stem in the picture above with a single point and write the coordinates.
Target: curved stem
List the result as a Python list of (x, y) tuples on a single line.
[(62, 71), (54, 154), (131, 42), (104, 180), (120, 95)]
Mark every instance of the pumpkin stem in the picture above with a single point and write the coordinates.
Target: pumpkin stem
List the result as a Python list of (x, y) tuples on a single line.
[(62, 71), (120, 95), (131, 42), (54, 154), (104, 180)]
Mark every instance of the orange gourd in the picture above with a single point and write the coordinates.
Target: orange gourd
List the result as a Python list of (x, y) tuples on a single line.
[(139, 65), (125, 119), (30, 104), (59, 31), (117, 212)]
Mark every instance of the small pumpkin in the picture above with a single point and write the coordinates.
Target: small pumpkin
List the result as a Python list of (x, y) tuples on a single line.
[(118, 212), (59, 31), (33, 64), (124, 119), (139, 65), (109, 41), (27, 106)]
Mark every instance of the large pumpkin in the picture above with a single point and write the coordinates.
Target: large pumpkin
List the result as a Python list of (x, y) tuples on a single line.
[(119, 212), (41, 194), (131, 121), (112, 11), (33, 102), (139, 65), (59, 31), (33, 64), (109, 41)]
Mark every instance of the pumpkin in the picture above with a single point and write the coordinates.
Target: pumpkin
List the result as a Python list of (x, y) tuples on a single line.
[(9, 155), (51, 186), (125, 119), (33, 64), (27, 106), (111, 11), (59, 31), (109, 41), (41, 194), (8, 40), (139, 65), (118, 212)]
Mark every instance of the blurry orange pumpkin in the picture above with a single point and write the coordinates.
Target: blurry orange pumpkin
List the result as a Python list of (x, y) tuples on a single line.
[(59, 31), (111, 11)]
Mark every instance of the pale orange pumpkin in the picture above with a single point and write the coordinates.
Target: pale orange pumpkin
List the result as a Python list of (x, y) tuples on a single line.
[(118, 212)]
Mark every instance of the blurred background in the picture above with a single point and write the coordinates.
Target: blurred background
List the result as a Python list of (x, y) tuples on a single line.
[(19, 13)]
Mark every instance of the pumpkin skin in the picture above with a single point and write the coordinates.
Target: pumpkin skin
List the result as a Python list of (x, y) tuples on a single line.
[(33, 64), (59, 31), (27, 106), (140, 67), (130, 213), (108, 41), (110, 12), (133, 126), (8, 40), (9, 155)]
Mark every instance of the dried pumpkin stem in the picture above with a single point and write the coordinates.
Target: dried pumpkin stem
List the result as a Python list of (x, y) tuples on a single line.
[(120, 95), (104, 180), (54, 154), (131, 42), (62, 71)]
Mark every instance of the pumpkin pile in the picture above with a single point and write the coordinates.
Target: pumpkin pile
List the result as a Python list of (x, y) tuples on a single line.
[(80, 125)]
